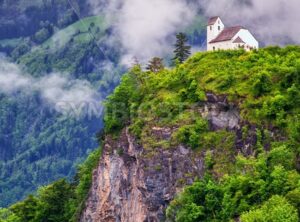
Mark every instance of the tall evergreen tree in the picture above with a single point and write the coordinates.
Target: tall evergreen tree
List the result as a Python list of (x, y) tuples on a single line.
[(182, 51)]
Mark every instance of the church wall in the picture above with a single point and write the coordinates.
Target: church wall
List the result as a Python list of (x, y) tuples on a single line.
[(221, 45), (248, 38)]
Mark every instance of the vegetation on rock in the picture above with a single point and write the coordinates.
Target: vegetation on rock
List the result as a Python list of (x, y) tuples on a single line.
[(264, 85)]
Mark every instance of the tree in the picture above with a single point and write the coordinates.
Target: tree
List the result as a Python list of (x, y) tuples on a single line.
[(275, 209), (198, 202), (26, 209), (182, 51), (155, 65), (261, 83), (53, 200), (7, 215)]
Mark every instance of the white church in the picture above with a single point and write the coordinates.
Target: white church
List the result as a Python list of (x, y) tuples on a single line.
[(220, 37)]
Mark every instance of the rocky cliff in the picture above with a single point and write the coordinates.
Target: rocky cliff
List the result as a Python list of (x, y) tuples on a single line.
[(128, 186), (133, 183)]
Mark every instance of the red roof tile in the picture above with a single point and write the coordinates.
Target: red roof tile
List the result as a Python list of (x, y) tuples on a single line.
[(213, 20), (227, 34), (238, 40)]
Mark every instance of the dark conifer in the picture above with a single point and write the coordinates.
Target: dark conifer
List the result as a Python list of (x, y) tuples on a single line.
[(182, 51)]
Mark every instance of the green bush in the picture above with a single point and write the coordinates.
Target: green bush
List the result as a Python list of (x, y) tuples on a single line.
[(276, 209), (7, 215), (117, 113), (294, 197), (282, 155), (253, 183), (261, 83), (191, 134)]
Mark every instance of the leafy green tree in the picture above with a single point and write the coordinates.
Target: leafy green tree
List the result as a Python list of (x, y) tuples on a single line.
[(182, 51), (83, 179), (58, 202), (155, 65), (198, 202), (26, 210), (261, 83), (255, 181), (294, 197), (53, 200), (7, 215), (118, 110), (276, 209), (282, 155), (190, 134)]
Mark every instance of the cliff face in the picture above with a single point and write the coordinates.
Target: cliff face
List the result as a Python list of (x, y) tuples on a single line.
[(132, 183), (127, 186)]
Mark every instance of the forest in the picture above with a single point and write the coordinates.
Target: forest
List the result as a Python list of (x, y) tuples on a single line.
[(37, 144)]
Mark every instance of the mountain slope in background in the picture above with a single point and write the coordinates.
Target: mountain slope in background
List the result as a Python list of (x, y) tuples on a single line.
[(23, 18), (37, 144)]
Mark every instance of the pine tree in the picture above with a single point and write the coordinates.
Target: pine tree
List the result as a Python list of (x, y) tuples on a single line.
[(182, 51), (155, 65)]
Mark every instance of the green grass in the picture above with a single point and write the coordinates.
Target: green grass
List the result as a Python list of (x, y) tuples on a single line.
[(65, 50), (80, 30), (10, 42)]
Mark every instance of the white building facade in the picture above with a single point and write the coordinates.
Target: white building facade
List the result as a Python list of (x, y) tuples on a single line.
[(220, 37)]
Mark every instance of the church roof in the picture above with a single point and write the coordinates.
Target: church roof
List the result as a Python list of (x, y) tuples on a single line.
[(238, 40), (212, 20), (227, 34)]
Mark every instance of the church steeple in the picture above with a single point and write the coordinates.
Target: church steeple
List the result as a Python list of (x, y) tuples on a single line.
[(214, 27)]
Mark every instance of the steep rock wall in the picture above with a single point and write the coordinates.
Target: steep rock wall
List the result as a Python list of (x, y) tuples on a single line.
[(127, 186)]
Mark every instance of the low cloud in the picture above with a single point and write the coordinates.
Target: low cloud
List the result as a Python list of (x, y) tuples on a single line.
[(59, 92), (144, 28)]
